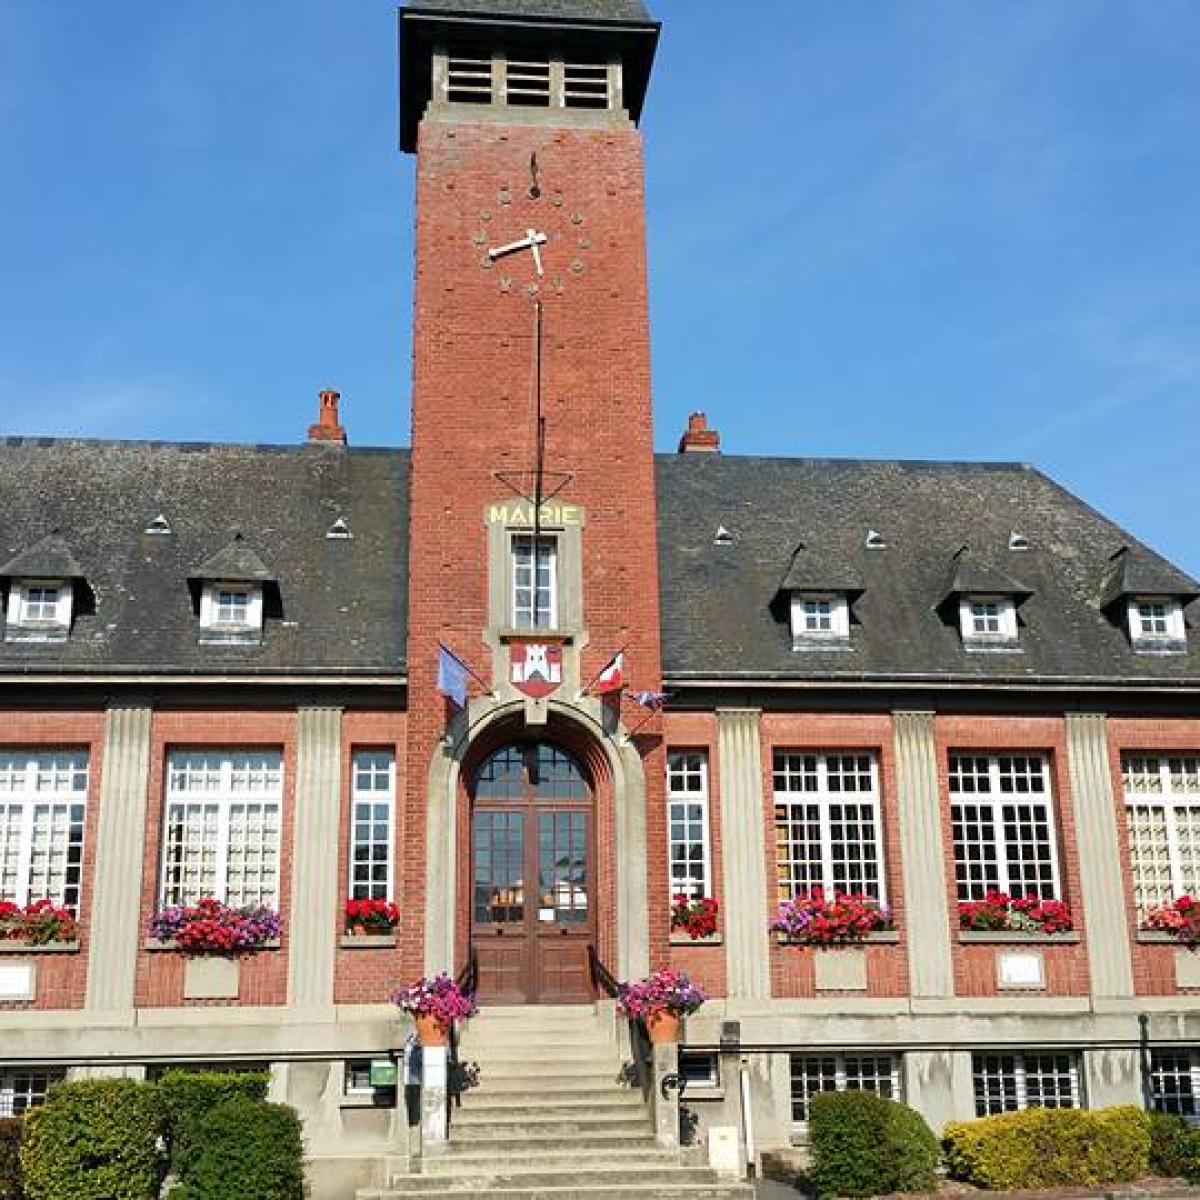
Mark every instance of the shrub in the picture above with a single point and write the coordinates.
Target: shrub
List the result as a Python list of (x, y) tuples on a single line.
[(1044, 1147), (1174, 1148), (10, 1161), (187, 1097), (863, 1145), (93, 1139), (247, 1149)]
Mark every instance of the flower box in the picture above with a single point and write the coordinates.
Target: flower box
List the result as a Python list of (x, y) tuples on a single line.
[(371, 918), (694, 917), (367, 941), (14, 946), (213, 928), (685, 939), (988, 937), (42, 923), (810, 919), (880, 937), (999, 912), (1179, 920)]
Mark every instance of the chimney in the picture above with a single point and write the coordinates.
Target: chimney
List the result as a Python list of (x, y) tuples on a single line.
[(327, 428), (698, 438)]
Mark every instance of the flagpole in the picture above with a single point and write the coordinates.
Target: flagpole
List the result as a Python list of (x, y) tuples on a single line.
[(583, 691), (539, 453)]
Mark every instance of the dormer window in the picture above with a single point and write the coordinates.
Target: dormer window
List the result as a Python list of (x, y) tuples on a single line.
[(1148, 596), (988, 620), (820, 620), (231, 612), (39, 610), (1156, 623), (985, 599)]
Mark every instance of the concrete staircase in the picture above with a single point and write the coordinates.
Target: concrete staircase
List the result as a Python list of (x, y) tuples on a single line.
[(549, 1116)]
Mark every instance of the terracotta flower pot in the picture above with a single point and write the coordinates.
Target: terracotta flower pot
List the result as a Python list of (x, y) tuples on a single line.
[(663, 1026), (431, 1031)]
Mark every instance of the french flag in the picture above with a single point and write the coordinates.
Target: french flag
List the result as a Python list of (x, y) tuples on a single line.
[(612, 678)]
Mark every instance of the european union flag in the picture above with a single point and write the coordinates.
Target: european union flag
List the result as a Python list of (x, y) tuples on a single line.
[(452, 677)]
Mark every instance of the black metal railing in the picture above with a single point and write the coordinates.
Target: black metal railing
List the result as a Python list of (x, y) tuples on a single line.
[(642, 1066), (458, 1077), (602, 978)]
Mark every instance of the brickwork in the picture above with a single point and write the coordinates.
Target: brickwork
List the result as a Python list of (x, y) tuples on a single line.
[(62, 978)]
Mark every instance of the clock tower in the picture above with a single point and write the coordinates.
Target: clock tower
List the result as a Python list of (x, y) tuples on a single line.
[(534, 813)]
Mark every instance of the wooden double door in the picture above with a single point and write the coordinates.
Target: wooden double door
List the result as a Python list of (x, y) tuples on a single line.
[(533, 911)]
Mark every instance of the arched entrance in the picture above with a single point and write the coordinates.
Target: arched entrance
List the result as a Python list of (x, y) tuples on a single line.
[(533, 872)]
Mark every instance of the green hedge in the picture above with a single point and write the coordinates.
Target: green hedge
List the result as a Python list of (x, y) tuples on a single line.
[(247, 1149), (93, 1140), (10, 1159), (863, 1145), (188, 1096), (1046, 1147), (1174, 1148)]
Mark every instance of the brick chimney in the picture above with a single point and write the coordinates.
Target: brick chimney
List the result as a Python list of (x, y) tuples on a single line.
[(327, 428), (698, 438)]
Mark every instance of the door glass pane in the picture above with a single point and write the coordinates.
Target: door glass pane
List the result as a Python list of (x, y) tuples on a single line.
[(499, 872), (562, 868)]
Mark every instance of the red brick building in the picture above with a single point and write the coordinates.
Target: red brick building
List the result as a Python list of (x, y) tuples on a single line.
[(916, 681)]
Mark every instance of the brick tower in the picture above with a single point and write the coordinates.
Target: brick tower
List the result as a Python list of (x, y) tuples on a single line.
[(530, 215)]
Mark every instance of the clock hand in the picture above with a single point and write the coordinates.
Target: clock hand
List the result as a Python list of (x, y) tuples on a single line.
[(534, 243), (530, 242)]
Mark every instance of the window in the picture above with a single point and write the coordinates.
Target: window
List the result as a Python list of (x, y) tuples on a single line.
[(1003, 818), (813, 1073), (987, 621), (39, 610), (1175, 1081), (528, 83), (1007, 1082), (687, 819), (1162, 809), (43, 795), (469, 78), (231, 612), (372, 826), (221, 835), (827, 823), (22, 1088), (819, 619), (700, 1068), (585, 85), (1156, 623), (534, 583)]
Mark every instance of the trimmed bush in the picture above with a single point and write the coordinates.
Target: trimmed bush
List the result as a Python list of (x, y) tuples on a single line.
[(247, 1149), (1050, 1147), (93, 1139), (1174, 1148), (187, 1097), (10, 1160), (863, 1145)]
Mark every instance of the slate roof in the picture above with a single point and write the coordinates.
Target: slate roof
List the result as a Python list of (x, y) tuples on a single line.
[(343, 600), (235, 563), (978, 575), (571, 10), (1134, 572), (51, 558), (719, 620)]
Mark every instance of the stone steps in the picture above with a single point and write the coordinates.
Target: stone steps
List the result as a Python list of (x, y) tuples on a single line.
[(592, 1110), (626, 1191), (518, 1160), (483, 1182), (556, 1132)]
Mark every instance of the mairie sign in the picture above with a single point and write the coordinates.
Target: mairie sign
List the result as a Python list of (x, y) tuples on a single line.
[(519, 515)]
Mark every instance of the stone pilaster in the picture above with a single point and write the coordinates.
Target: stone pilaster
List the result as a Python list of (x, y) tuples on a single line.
[(115, 920), (743, 853), (316, 825), (930, 1078), (1110, 961), (930, 965)]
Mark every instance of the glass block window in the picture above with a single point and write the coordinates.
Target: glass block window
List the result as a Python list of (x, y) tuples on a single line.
[(23, 1088), (1003, 817), (1007, 1082), (372, 824), (1175, 1081), (534, 583), (43, 798), (690, 856), (813, 1073), (222, 828), (1162, 809), (827, 823)]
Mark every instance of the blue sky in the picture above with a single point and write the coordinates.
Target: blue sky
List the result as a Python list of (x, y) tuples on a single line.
[(920, 229)]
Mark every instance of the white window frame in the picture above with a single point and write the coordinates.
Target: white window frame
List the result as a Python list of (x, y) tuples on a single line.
[(368, 889), (841, 1075), (1175, 802), (522, 614), (1184, 1101), (825, 799), (226, 800), (210, 606), (1005, 617), (1175, 633), (838, 615), (20, 623), (996, 799), (686, 768), (1021, 1065), (25, 800), (26, 1086)]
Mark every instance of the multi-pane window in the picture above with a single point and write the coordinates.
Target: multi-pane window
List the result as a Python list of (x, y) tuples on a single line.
[(1003, 817), (43, 796), (1162, 808), (41, 603), (1007, 1082), (827, 823), (22, 1088), (1156, 623), (233, 607), (689, 852), (222, 828), (986, 620), (817, 615), (1175, 1081), (39, 610), (819, 619), (372, 825), (813, 1073), (534, 582)]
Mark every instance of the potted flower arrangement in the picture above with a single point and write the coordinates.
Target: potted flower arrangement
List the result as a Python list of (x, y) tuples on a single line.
[(366, 917), (999, 912), (41, 923), (435, 1004), (661, 1001), (213, 928), (696, 916), (1180, 918), (813, 920)]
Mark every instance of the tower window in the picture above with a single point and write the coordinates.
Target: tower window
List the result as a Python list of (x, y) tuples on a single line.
[(534, 582), (585, 85), (528, 83), (469, 79)]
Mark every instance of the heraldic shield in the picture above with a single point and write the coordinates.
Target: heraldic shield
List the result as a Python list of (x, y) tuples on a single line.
[(536, 668)]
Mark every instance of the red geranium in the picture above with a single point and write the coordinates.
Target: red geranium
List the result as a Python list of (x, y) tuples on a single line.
[(38, 924), (1018, 914), (379, 916), (1180, 918), (697, 917), (812, 919)]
